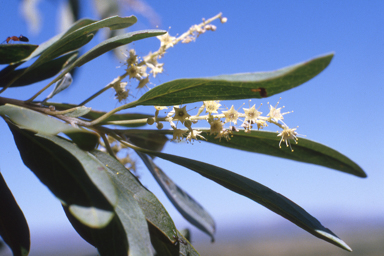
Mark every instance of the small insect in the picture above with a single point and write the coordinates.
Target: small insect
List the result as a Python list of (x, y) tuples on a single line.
[(21, 38)]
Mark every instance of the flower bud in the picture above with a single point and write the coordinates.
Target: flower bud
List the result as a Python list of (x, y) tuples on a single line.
[(159, 126), (150, 121), (188, 123)]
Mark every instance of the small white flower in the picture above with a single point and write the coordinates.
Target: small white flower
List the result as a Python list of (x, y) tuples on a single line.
[(121, 92), (136, 71), (187, 40), (223, 19), (143, 83), (178, 134), (216, 126), (211, 106), (166, 40), (226, 134), (150, 58), (231, 115), (287, 135), (156, 69), (193, 135), (274, 113), (132, 58), (251, 114), (261, 124), (181, 114), (160, 107)]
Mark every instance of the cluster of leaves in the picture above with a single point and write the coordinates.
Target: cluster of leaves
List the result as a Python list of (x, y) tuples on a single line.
[(104, 201)]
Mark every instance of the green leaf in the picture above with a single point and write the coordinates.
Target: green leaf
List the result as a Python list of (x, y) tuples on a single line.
[(124, 180), (94, 114), (81, 36), (40, 123), (108, 45), (306, 151), (184, 203), (134, 222), (13, 226), (78, 111), (148, 139), (234, 87), (186, 248), (258, 193), (162, 245), (61, 85), (41, 73), (72, 175), (47, 44), (78, 25), (13, 53), (129, 211), (109, 240), (115, 42), (267, 143)]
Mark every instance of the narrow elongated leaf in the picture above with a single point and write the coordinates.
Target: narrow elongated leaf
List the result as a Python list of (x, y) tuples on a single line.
[(154, 211), (61, 85), (13, 53), (47, 44), (40, 123), (267, 143), (134, 222), (306, 151), (131, 216), (234, 87), (149, 139), (164, 235), (8, 70), (258, 193), (79, 111), (94, 114), (186, 248), (184, 203), (73, 175), (110, 44), (109, 240), (162, 245), (79, 37), (13, 226), (115, 42), (79, 24), (34, 121), (41, 73)]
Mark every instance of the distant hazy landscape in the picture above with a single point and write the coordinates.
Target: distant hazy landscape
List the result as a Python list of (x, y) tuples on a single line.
[(366, 239)]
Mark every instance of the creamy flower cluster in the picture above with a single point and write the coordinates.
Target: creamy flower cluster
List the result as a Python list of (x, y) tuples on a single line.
[(250, 117), (137, 69)]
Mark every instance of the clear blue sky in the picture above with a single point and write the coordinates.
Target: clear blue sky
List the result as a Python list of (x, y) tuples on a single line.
[(340, 108)]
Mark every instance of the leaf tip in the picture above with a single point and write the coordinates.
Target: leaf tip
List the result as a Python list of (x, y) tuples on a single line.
[(334, 239)]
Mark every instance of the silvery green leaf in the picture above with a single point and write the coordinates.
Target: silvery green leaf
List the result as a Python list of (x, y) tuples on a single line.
[(61, 85), (79, 111)]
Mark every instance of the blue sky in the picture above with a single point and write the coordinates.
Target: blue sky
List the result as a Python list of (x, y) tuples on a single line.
[(340, 108)]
